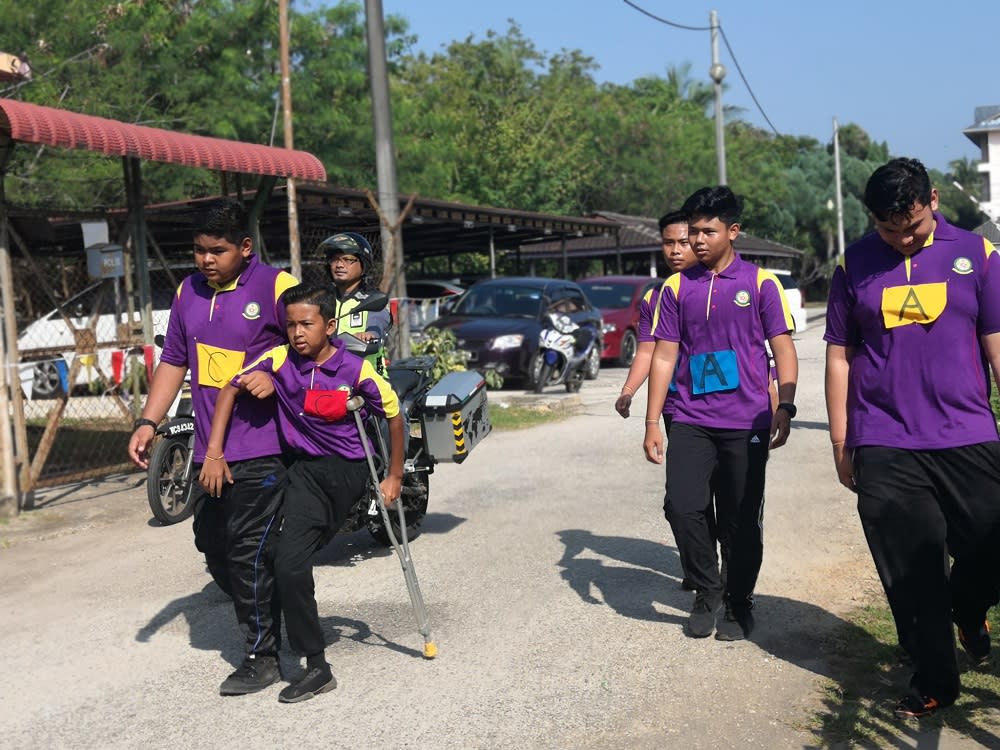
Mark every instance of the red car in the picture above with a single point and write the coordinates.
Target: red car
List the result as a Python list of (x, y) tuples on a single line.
[(618, 299)]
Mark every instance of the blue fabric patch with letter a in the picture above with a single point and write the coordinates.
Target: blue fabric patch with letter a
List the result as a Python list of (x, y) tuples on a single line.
[(714, 371)]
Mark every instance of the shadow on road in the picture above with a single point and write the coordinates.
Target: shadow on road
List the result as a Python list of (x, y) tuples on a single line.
[(865, 674)]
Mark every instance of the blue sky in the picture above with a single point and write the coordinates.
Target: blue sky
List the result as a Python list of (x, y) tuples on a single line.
[(909, 73)]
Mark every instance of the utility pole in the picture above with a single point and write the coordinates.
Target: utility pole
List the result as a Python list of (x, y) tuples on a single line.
[(838, 192), (385, 167), (294, 249), (717, 72)]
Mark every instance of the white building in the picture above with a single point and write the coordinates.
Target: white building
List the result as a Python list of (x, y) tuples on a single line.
[(985, 133)]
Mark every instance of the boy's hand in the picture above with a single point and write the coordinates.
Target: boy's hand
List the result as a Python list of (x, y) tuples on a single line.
[(781, 427), (653, 443), (215, 474), (392, 487), (845, 466), (622, 405), (257, 383), (138, 446)]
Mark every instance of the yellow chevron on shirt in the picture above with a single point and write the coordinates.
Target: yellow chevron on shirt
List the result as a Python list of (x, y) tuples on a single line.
[(217, 366), (913, 303), (763, 276)]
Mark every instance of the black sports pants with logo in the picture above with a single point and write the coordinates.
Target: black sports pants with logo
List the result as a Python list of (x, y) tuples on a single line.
[(732, 463), (240, 528), (916, 508)]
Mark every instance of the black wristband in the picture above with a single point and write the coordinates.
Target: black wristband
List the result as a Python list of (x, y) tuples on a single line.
[(790, 408), (143, 421)]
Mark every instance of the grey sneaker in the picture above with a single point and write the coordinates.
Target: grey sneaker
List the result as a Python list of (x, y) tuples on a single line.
[(736, 625), (315, 681), (254, 674), (701, 622)]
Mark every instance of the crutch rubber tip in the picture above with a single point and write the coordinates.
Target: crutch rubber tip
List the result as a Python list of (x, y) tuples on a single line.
[(430, 650)]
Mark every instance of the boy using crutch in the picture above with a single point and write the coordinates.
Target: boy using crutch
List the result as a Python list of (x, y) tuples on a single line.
[(312, 379)]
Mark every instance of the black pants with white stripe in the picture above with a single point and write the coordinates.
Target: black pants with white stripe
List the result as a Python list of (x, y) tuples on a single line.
[(916, 508), (732, 463), (240, 527)]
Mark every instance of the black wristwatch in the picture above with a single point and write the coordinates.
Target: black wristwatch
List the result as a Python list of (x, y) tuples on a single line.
[(790, 408), (143, 421)]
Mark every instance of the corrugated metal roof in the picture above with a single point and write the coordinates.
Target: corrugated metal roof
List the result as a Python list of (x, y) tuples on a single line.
[(32, 123), (990, 230)]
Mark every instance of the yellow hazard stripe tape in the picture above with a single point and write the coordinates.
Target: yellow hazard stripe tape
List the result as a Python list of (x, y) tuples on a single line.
[(456, 426)]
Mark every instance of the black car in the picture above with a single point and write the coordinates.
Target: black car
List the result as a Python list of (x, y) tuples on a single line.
[(499, 321)]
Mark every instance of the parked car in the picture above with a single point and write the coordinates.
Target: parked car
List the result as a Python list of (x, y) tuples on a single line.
[(429, 299), (499, 321), (50, 343), (793, 295), (618, 299)]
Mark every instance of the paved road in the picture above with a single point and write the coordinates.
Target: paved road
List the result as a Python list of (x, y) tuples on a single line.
[(552, 585)]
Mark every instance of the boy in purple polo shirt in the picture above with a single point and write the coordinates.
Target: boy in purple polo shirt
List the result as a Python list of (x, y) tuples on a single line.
[(713, 321), (222, 317), (312, 379), (913, 320)]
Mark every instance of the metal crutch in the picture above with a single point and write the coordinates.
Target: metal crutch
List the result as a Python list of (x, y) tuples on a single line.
[(401, 546)]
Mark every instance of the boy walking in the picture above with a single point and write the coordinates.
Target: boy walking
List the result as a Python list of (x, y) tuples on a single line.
[(713, 321), (312, 379), (223, 316), (913, 322)]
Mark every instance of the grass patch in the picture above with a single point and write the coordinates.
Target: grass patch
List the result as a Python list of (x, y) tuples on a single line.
[(520, 417), (873, 676)]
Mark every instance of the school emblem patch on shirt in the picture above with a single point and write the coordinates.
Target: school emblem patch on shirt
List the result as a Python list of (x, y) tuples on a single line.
[(251, 311), (742, 298), (962, 266)]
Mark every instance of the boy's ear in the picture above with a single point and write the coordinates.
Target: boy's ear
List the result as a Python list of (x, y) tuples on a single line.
[(734, 231), (331, 326)]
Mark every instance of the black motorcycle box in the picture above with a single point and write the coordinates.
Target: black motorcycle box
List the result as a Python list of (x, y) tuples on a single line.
[(456, 416)]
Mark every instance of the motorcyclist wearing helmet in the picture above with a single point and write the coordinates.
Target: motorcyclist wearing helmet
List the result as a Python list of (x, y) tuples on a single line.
[(350, 261)]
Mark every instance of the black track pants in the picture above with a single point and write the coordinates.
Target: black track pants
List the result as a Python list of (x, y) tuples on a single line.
[(240, 527), (916, 507), (732, 463), (319, 496)]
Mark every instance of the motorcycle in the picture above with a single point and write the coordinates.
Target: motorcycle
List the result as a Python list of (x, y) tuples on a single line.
[(564, 347)]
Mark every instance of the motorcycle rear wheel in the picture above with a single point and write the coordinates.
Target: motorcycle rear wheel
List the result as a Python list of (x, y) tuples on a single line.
[(220, 573), (543, 378), (416, 491), (168, 494)]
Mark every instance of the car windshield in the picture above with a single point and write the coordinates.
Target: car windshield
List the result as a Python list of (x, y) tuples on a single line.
[(787, 282), (609, 295), (501, 301)]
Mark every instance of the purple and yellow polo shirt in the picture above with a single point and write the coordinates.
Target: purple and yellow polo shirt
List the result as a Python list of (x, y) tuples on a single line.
[(720, 322), (919, 378), (214, 331), (300, 385), (648, 316)]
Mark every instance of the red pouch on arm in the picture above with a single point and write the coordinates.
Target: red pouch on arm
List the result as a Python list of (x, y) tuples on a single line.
[(329, 405)]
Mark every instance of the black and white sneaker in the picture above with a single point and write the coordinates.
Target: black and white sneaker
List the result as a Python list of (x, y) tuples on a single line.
[(314, 681)]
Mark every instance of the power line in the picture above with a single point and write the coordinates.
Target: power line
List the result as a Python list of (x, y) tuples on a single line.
[(745, 81), (728, 47)]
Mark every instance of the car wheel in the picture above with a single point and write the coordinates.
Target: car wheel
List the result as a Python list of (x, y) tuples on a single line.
[(629, 346), (46, 382), (593, 364)]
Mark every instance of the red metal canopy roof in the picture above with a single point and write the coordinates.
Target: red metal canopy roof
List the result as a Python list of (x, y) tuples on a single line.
[(32, 123)]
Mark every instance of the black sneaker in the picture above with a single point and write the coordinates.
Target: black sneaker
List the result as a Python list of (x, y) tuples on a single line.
[(976, 644), (701, 622), (254, 674), (914, 706), (314, 682), (736, 625)]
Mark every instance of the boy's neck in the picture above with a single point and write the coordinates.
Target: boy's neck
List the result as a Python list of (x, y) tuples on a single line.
[(724, 261), (324, 354)]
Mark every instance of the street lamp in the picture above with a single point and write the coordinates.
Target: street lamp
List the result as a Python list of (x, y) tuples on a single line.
[(717, 72)]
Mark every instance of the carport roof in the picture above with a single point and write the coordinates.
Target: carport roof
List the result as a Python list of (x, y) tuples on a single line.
[(32, 123)]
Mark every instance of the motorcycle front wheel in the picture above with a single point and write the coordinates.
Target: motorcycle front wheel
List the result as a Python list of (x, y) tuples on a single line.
[(168, 493), (416, 490)]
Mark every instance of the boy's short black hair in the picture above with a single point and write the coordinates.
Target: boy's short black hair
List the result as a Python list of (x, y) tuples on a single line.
[(225, 218), (310, 294), (672, 217), (714, 202), (895, 187)]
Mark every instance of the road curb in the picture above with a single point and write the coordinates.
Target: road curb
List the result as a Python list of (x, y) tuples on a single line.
[(551, 402)]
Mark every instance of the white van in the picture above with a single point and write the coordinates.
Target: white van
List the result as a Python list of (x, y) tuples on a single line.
[(793, 294)]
